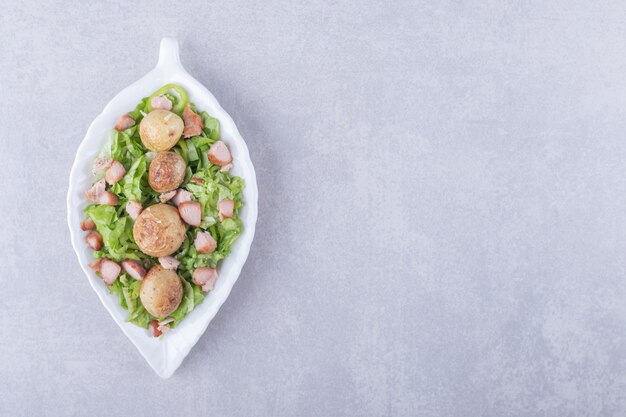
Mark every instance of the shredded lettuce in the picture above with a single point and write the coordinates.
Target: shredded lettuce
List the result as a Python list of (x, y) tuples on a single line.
[(131, 183), (127, 289), (211, 126), (186, 305), (116, 232), (217, 186), (124, 146)]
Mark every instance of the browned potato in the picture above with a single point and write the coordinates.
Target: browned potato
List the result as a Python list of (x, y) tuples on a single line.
[(160, 130), (167, 172), (159, 230), (161, 291)]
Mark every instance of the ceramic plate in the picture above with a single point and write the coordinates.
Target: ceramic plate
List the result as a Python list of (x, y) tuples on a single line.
[(167, 353)]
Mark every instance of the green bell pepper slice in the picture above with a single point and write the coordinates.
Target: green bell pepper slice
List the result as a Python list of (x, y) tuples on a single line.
[(182, 101)]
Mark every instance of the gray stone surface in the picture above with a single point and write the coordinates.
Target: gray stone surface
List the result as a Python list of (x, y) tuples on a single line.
[(442, 214)]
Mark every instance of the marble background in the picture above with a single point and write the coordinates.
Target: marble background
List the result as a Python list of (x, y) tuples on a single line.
[(442, 214)]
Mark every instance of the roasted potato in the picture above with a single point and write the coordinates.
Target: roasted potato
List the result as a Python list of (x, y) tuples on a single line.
[(161, 291), (160, 130), (159, 230), (167, 172)]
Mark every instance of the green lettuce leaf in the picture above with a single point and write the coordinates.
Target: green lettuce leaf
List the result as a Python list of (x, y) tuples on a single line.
[(131, 183), (212, 127), (116, 232), (186, 305), (127, 290)]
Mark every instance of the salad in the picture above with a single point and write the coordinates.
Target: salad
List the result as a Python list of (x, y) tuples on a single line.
[(163, 209)]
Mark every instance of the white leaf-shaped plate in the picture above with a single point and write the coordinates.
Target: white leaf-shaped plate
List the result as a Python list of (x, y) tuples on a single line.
[(167, 353)]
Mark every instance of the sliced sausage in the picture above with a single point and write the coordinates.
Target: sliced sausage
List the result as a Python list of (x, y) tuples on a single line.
[(108, 198), (219, 154), (164, 325), (193, 123), (161, 102), (100, 164), (109, 270), (88, 224), (96, 191), (95, 264), (134, 269), (154, 326), (167, 196), (124, 122), (169, 262), (205, 277), (115, 172), (133, 208), (182, 196), (191, 212), (205, 243), (226, 208), (94, 240)]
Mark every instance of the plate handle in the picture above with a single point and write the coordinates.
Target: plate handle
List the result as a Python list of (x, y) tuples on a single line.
[(168, 54)]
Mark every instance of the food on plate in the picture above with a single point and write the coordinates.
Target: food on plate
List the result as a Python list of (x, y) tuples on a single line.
[(88, 224), (163, 209), (167, 172), (161, 102), (193, 123), (161, 291), (219, 154), (134, 209), (159, 230), (134, 269), (108, 198), (124, 122), (181, 196), (226, 208), (96, 191), (205, 277), (169, 262), (114, 173), (167, 196), (205, 243), (109, 270), (191, 212), (101, 164), (94, 240), (160, 130)]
